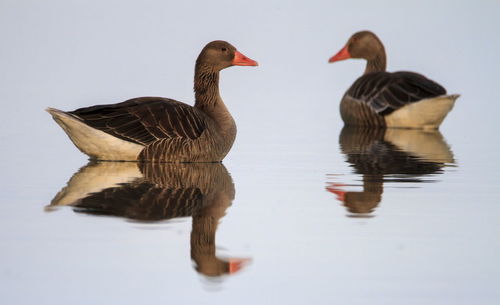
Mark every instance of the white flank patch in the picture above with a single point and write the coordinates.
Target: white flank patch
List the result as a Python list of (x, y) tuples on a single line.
[(426, 114), (93, 142), (93, 179), (426, 144)]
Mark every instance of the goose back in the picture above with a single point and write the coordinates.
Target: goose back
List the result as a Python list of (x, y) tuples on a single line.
[(375, 95), (145, 120), (168, 130), (385, 92)]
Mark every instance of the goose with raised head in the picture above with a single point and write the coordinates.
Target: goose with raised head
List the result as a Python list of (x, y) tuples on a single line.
[(400, 99), (159, 129)]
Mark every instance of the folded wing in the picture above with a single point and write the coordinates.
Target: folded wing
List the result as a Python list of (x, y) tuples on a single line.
[(386, 92), (145, 120)]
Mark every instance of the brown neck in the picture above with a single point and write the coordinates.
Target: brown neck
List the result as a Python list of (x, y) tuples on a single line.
[(376, 64), (206, 86), (203, 236), (203, 248), (377, 61)]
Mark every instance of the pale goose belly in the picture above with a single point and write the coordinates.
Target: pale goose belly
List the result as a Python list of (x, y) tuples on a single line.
[(425, 114), (93, 178), (93, 142)]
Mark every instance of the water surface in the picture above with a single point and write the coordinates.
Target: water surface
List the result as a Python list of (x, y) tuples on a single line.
[(302, 210)]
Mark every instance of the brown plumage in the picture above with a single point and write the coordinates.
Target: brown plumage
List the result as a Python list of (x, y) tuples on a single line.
[(159, 129), (149, 192), (380, 98), (382, 155)]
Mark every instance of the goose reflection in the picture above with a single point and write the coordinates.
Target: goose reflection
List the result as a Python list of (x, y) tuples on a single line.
[(388, 155), (152, 192)]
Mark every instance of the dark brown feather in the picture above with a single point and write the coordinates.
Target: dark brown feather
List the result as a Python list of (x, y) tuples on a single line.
[(385, 92), (142, 201), (145, 120)]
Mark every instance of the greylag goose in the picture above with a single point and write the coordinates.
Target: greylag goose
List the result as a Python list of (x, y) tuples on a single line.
[(388, 155), (399, 99), (150, 192), (159, 129)]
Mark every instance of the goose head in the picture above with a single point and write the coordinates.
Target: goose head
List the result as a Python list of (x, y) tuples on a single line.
[(218, 55), (364, 44)]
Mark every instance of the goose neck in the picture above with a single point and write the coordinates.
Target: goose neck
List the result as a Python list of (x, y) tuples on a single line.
[(377, 63), (206, 87)]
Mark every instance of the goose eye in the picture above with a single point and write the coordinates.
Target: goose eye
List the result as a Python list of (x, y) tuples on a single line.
[(224, 49)]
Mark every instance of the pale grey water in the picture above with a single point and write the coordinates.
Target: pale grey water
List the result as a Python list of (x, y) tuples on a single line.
[(429, 237)]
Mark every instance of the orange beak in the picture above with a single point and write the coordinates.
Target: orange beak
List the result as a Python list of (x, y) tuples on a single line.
[(341, 55), (236, 264), (333, 188), (242, 60)]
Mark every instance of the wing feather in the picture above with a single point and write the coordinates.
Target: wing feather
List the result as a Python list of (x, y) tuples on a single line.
[(386, 92), (145, 120)]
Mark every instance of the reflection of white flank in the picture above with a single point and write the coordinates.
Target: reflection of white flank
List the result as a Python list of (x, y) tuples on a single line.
[(426, 144), (93, 142), (426, 114), (94, 178)]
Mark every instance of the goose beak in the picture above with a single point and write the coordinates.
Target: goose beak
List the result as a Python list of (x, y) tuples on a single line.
[(334, 188), (242, 60), (236, 264), (341, 55)]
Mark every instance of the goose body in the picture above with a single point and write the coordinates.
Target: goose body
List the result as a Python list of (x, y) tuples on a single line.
[(399, 99), (159, 129), (150, 192), (382, 155)]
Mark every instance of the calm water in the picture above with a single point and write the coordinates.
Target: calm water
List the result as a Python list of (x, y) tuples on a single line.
[(302, 211)]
